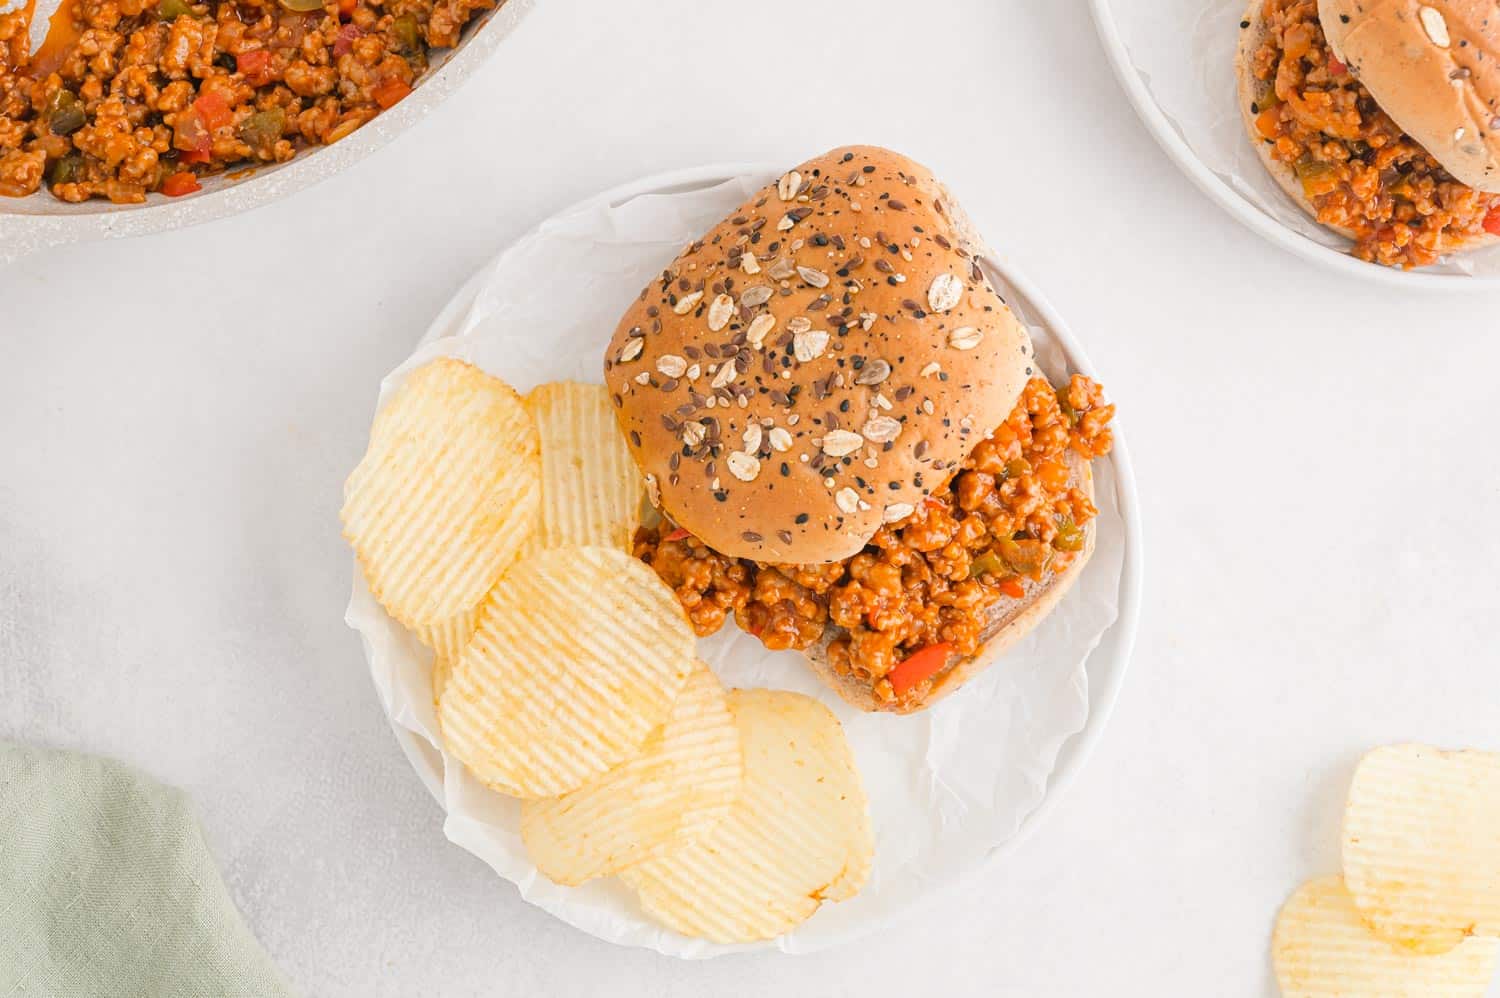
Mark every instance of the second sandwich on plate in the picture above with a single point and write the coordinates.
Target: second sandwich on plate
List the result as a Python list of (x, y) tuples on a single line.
[(1381, 120), (845, 430)]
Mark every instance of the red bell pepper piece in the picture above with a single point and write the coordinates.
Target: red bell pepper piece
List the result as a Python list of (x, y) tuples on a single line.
[(255, 66), (1492, 222), (214, 110), (343, 42), (390, 93), (676, 535), (919, 666), (179, 184)]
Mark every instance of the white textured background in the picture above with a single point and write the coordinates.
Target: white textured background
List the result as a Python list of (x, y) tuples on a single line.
[(1315, 456)]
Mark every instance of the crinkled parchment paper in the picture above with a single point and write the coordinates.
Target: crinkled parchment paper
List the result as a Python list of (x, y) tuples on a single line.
[(1184, 50), (946, 786)]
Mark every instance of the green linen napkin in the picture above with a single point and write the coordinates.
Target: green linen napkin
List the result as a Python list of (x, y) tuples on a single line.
[(108, 891)]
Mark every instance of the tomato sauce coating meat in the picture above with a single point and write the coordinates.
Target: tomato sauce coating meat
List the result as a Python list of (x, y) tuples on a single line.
[(128, 97), (1009, 515), (1356, 166)]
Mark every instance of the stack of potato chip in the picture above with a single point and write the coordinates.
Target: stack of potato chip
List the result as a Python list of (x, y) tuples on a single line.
[(498, 529), (1417, 911)]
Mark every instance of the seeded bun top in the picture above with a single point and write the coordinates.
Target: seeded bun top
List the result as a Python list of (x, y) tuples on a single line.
[(1434, 67), (817, 362)]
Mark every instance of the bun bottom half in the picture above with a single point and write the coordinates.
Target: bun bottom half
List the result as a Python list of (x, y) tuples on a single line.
[(1007, 622)]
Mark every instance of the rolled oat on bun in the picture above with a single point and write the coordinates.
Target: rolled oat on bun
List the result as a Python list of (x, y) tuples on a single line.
[(802, 388), (1380, 118)]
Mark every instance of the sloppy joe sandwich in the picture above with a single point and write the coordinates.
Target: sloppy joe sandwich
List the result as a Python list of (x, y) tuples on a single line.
[(844, 429), (1381, 118)]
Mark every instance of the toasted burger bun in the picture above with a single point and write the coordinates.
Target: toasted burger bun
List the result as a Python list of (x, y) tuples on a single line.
[(898, 355), (1009, 621), (1252, 91)]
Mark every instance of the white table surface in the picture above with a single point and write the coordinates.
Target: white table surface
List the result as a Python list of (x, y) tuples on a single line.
[(178, 412)]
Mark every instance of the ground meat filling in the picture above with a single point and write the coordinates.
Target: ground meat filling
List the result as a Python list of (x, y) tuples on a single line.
[(1356, 166), (1006, 517), (127, 97)]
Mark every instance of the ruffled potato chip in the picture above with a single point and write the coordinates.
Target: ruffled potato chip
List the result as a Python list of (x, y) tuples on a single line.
[(1422, 845), (579, 654), (1321, 949), (591, 488), (798, 833), (447, 493), (683, 782)]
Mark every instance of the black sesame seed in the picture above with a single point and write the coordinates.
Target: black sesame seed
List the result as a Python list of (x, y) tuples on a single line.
[(802, 518)]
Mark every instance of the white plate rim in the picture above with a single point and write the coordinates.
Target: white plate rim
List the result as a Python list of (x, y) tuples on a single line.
[(1111, 656), (1242, 210)]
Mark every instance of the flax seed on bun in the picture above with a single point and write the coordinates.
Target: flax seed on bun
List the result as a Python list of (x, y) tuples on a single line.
[(818, 362)]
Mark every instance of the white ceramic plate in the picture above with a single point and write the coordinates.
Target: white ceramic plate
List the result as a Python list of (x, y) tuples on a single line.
[(1144, 80), (1104, 666), (39, 221)]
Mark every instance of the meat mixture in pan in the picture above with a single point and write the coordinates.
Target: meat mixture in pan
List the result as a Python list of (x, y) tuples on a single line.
[(126, 97), (1356, 166), (917, 594)]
